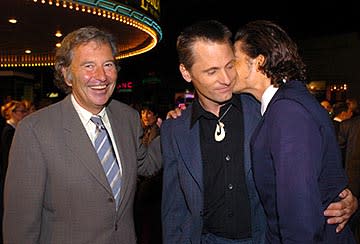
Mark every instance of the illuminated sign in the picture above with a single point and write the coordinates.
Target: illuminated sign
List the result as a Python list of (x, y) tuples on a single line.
[(124, 86), (149, 7)]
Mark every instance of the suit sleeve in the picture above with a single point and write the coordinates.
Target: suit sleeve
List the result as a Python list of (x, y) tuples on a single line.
[(173, 207), (296, 145), (148, 157), (24, 188)]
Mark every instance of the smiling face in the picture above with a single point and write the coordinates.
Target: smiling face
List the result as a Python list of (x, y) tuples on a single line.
[(92, 75), (213, 73)]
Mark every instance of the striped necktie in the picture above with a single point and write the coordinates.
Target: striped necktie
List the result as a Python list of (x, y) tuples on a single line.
[(107, 157)]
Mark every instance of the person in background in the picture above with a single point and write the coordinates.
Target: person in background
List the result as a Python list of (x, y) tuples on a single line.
[(328, 107), (295, 155), (29, 105), (342, 112), (13, 112), (353, 106), (74, 164), (149, 120), (148, 195), (349, 140)]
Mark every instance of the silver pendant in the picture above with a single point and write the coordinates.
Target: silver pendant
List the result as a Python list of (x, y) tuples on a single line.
[(219, 132)]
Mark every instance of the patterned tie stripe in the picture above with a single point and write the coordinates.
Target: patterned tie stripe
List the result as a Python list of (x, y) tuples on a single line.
[(107, 157)]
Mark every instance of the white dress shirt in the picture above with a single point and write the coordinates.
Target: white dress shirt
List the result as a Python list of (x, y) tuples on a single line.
[(90, 127), (267, 96)]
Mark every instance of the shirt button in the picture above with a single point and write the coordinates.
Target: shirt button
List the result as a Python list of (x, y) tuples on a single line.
[(227, 158), (230, 186)]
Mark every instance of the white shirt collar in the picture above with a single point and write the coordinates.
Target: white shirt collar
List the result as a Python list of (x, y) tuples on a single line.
[(85, 115), (267, 96)]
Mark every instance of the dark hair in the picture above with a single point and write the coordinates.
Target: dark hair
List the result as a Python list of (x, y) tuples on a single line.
[(282, 60), (64, 54), (210, 30), (9, 107), (151, 107), (340, 107)]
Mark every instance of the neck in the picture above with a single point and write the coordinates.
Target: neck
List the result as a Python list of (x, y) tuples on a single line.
[(12, 122), (212, 107)]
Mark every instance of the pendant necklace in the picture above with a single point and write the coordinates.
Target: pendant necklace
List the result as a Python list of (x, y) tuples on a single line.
[(219, 130)]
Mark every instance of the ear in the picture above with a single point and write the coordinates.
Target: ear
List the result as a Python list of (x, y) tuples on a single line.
[(260, 60), (66, 76), (185, 73)]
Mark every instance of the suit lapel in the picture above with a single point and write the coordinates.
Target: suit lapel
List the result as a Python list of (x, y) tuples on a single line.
[(252, 116), (79, 144), (189, 145)]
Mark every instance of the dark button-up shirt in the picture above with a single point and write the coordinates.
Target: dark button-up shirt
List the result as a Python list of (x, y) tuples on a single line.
[(226, 203)]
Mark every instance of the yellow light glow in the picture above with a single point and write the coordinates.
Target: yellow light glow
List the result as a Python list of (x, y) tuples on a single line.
[(58, 33), (47, 60), (12, 20)]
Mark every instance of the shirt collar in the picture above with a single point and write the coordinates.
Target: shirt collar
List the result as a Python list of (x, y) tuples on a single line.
[(85, 115), (267, 96)]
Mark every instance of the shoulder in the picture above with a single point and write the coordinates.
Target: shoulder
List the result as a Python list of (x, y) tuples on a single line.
[(351, 123), (247, 99), (119, 108), (48, 115), (250, 106), (183, 120), (295, 96)]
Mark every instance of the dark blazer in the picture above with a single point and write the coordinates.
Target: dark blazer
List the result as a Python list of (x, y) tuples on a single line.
[(349, 139), (182, 201), (56, 190), (297, 168)]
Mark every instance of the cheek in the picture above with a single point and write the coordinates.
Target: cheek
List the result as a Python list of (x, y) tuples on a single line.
[(86, 76)]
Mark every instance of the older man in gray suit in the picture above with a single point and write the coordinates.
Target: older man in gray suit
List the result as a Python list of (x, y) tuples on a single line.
[(56, 190)]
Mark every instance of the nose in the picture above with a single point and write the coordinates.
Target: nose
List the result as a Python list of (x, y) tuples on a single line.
[(227, 77), (100, 74)]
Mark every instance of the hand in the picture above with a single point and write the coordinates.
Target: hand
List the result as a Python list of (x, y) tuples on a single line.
[(159, 122), (173, 114), (341, 211)]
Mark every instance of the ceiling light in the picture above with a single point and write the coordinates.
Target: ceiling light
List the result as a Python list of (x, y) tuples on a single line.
[(58, 33), (12, 20), (27, 51), (58, 44)]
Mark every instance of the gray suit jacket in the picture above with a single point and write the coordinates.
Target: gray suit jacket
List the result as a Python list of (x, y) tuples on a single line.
[(56, 190)]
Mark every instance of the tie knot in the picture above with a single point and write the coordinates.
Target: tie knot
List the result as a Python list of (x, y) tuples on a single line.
[(98, 122)]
